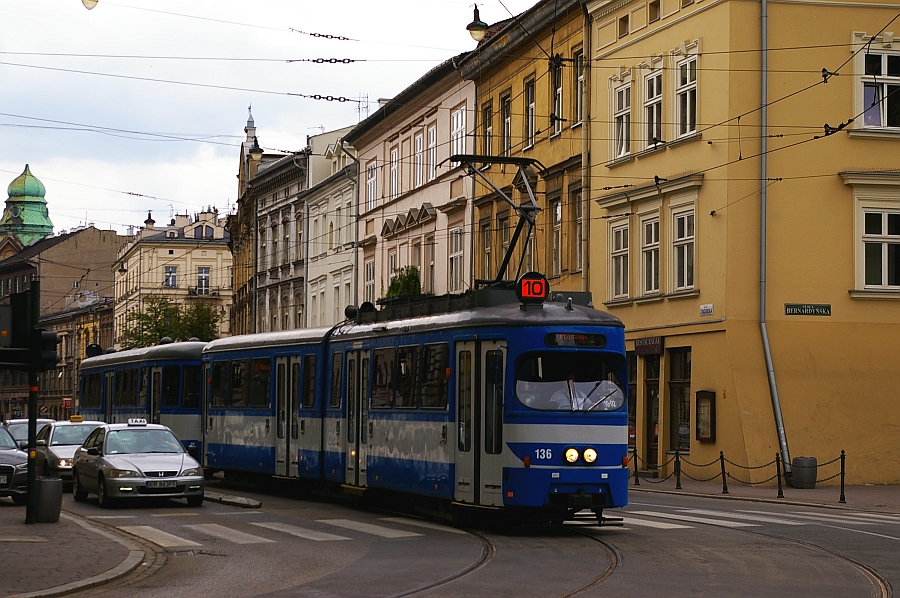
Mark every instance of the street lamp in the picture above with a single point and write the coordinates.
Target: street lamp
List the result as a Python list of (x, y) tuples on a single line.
[(256, 152), (89, 4), (477, 28)]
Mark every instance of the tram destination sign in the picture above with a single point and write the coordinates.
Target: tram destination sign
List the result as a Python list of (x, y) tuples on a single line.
[(807, 309)]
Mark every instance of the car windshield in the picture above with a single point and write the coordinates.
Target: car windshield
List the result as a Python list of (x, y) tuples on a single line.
[(6, 441), (568, 380), (71, 434), (19, 431), (136, 441)]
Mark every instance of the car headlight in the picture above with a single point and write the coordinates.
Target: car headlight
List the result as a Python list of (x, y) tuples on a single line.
[(124, 473), (22, 466), (571, 455), (64, 463), (590, 455), (193, 471)]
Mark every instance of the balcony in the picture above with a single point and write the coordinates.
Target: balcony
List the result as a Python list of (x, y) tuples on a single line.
[(203, 291)]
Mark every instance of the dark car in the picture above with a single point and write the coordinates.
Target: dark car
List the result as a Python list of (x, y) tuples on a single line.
[(19, 427), (13, 469)]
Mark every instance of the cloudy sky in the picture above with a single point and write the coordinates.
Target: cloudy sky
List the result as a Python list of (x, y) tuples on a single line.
[(140, 105)]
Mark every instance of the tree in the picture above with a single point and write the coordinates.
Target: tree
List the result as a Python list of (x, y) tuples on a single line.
[(405, 282), (160, 318)]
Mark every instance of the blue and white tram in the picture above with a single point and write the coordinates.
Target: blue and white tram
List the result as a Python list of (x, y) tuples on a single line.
[(162, 384), (505, 405)]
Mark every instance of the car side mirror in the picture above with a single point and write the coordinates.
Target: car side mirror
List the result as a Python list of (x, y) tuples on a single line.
[(40, 442), (22, 444), (194, 452), (93, 451)]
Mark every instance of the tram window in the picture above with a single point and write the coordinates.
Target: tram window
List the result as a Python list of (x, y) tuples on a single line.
[(134, 386), (493, 403), (407, 377), (309, 381), (239, 382), (294, 396), (337, 360), (190, 398), (352, 398), (464, 401), (384, 374), (90, 392), (219, 374), (570, 381), (171, 380), (118, 384), (280, 400), (142, 388), (259, 389), (434, 373)]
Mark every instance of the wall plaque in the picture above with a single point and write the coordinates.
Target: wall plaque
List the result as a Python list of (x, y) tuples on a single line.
[(807, 309)]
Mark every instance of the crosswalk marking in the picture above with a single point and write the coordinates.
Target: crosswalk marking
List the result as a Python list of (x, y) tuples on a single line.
[(653, 524), (879, 518), (156, 536), (368, 528), (848, 516), (719, 522), (745, 517), (174, 514), (226, 533), (425, 524), (820, 518), (300, 532), (110, 517)]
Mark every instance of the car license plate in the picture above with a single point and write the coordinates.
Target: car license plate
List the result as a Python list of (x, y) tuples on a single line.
[(161, 484), (3, 479)]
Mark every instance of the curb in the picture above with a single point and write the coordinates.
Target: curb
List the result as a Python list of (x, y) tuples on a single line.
[(135, 557), (234, 501)]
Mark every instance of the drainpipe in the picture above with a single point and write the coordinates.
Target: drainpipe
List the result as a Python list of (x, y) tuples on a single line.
[(586, 52), (770, 368)]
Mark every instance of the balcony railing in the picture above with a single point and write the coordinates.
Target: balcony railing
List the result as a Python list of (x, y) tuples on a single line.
[(203, 291)]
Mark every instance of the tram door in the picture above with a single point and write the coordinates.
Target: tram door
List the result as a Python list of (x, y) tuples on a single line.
[(467, 447), (285, 420), (490, 372), (358, 434), (155, 390), (110, 383)]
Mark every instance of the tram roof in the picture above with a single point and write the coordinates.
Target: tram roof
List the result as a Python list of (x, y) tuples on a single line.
[(187, 350), (268, 339)]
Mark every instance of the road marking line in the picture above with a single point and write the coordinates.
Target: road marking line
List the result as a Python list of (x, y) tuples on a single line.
[(22, 539), (742, 516), (860, 531), (110, 517), (242, 512), (301, 532), (368, 528), (653, 524), (844, 517), (818, 518), (156, 536), (226, 533), (425, 524), (175, 514), (879, 518), (718, 522)]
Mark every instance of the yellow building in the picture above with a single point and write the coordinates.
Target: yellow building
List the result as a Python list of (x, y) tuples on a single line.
[(529, 80), (750, 240)]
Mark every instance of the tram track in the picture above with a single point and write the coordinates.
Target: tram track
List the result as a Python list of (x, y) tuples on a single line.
[(488, 550)]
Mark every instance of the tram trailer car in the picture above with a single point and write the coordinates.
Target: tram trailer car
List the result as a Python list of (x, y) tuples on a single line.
[(161, 384), (511, 406)]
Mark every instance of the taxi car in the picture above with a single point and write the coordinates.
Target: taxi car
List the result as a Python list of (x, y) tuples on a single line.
[(135, 460), (13, 468), (56, 443)]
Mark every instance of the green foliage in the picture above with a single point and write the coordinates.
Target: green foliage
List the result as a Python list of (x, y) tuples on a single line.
[(405, 282), (161, 318)]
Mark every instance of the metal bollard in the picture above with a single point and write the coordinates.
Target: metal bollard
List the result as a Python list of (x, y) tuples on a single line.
[(778, 474), (677, 470), (843, 459), (724, 476), (637, 479)]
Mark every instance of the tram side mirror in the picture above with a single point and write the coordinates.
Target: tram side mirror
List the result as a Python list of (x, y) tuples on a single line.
[(194, 452)]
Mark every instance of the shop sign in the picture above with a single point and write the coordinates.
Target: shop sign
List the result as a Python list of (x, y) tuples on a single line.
[(652, 345), (807, 309)]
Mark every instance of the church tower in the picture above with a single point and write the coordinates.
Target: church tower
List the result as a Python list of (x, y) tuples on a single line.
[(26, 215)]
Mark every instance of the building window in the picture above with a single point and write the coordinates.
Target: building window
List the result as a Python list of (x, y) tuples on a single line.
[(653, 108), (579, 228), (881, 90), (171, 280), (486, 248), (419, 166), (336, 300), (395, 172), (881, 248), (432, 153), (273, 255), (458, 132), (683, 250), (529, 114), (506, 133), (371, 185), (429, 265), (653, 11), (622, 119), (370, 281), (680, 397), (202, 281), (686, 96), (623, 26), (579, 86), (503, 229), (650, 255), (556, 80), (455, 260), (556, 237), (298, 251), (620, 261), (392, 265), (487, 118)]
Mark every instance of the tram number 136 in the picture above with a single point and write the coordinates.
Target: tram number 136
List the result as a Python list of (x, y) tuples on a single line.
[(543, 454)]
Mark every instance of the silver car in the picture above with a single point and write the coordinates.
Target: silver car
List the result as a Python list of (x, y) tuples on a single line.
[(13, 469), (19, 429), (56, 443), (134, 460)]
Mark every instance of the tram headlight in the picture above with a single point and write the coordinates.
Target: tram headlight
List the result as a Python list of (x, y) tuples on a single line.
[(590, 455), (571, 455)]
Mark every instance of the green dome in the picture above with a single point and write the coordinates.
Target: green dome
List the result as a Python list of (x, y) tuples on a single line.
[(26, 185)]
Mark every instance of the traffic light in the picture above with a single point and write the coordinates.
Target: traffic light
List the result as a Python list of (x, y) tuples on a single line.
[(48, 358)]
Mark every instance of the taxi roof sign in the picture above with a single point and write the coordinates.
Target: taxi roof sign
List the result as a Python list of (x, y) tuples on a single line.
[(137, 421), (76, 419)]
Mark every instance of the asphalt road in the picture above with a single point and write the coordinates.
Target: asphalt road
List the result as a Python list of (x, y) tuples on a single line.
[(666, 546)]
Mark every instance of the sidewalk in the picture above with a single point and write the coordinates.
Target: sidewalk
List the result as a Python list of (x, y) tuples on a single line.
[(53, 559)]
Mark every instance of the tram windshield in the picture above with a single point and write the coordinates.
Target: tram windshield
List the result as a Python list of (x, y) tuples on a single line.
[(563, 380)]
